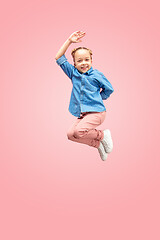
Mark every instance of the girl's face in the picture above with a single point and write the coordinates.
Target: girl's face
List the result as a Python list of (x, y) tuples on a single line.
[(83, 61)]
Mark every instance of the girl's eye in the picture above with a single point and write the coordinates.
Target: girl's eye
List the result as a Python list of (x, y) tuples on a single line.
[(85, 60)]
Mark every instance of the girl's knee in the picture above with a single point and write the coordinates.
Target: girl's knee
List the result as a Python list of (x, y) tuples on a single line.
[(78, 133), (70, 135), (73, 134)]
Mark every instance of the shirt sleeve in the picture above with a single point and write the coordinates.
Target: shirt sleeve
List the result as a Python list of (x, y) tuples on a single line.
[(106, 86), (65, 65)]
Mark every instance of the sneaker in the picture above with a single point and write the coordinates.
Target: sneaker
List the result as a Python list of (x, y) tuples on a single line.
[(102, 152), (107, 141)]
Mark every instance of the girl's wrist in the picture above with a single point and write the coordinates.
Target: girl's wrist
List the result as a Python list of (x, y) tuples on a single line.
[(69, 40)]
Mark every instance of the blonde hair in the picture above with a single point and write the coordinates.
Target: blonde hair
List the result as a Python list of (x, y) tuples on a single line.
[(75, 49)]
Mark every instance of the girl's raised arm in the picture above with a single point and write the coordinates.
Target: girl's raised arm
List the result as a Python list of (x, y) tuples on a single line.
[(74, 38)]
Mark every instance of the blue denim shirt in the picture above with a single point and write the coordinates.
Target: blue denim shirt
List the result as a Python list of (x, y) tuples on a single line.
[(86, 95)]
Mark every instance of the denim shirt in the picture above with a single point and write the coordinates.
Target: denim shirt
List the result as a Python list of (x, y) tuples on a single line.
[(86, 95)]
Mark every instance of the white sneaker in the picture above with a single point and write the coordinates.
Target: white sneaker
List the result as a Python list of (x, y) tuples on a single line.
[(102, 152), (107, 141)]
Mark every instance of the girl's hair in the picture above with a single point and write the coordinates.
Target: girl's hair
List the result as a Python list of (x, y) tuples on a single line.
[(75, 49)]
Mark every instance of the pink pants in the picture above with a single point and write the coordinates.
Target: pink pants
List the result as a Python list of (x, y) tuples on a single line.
[(84, 129)]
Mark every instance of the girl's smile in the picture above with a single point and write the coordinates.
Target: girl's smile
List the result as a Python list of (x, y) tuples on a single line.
[(83, 61)]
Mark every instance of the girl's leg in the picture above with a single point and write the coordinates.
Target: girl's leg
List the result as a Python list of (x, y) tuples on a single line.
[(84, 130)]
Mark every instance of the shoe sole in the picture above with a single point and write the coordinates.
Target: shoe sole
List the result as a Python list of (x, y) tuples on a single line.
[(108, 149)]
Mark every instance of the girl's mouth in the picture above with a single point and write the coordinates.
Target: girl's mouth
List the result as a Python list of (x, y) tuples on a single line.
[(84, 68)]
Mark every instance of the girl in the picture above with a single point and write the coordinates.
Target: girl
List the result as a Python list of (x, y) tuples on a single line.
[(90, 88)]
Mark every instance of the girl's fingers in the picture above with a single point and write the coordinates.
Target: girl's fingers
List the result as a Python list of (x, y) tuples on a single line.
[(82, 35), (78, 35), (80, 32)]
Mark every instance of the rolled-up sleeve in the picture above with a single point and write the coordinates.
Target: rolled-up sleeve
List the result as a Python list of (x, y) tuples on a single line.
[(65, 65)]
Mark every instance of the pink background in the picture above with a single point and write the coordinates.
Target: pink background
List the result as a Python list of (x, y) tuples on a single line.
[(52, 188)]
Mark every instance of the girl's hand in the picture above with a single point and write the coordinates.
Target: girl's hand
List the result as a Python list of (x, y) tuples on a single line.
[(75, 37)]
